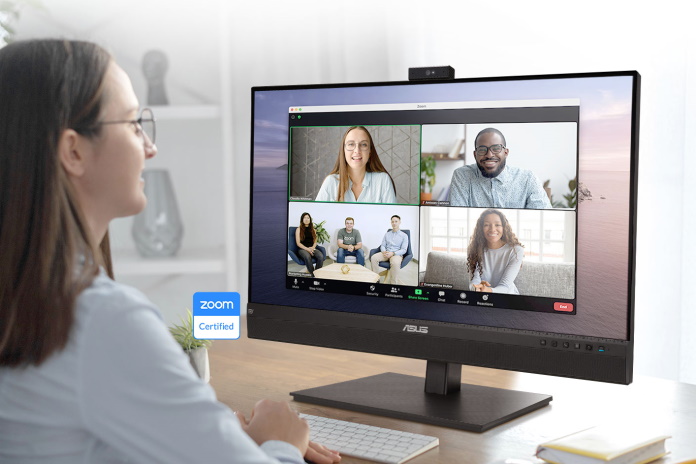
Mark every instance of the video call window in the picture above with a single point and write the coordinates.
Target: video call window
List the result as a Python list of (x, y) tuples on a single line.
[(540, 260), (324, 158), (353, 238), (478, 209), (528, 165)]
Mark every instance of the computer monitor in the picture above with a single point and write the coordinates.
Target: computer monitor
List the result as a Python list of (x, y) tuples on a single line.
[(496, 221)]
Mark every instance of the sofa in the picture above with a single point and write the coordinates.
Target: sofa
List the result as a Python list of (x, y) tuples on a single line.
[(554, 280)]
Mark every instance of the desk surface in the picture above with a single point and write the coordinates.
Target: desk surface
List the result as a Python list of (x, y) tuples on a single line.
[(244, 371)]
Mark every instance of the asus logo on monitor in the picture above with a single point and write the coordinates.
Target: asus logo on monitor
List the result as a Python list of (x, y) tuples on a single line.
[(415, 328)]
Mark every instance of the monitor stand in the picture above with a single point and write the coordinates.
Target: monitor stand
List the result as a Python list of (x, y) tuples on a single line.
[(445, 401)]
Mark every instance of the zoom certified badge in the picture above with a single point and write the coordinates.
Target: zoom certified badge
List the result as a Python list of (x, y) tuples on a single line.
[(216, 315)]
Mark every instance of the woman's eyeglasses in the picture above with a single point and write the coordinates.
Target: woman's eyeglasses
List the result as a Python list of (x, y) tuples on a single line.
[(144, 126)]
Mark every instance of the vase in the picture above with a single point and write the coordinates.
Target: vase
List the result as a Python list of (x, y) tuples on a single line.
[(158, 229), (200, 362)]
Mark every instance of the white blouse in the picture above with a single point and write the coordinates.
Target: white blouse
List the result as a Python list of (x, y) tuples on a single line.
[(377, 188)]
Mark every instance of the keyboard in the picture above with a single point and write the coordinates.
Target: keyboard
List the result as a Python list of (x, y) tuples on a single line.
[(368, 442)]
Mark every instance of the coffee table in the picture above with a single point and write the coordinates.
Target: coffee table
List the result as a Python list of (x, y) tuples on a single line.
[(357, 273)]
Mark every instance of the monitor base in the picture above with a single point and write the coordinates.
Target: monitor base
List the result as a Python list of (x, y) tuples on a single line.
[(473, 407)]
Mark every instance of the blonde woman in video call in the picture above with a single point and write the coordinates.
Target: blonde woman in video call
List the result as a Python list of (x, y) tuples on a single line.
[(358, 175)]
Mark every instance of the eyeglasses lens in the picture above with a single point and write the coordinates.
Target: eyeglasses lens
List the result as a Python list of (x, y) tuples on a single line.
[(495, 149)]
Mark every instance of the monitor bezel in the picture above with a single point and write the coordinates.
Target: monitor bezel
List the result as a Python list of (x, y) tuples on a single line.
[(508, 349)]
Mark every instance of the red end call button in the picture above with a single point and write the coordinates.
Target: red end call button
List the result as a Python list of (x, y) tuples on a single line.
[(565, 307)]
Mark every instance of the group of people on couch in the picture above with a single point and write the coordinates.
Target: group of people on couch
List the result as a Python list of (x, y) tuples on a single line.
[(393, 247)]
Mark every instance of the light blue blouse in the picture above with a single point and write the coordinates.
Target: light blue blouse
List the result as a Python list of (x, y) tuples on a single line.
[(121, 391), (377, 188)]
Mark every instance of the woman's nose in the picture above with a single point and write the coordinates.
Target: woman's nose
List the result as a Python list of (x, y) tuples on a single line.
[(150, 151)]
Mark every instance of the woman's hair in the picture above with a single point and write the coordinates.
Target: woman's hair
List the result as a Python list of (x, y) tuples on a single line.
[(478, 243), (48, 255), (303, 229), (341, 167)]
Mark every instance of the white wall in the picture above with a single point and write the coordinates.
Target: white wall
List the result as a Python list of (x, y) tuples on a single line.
[(278, 42)]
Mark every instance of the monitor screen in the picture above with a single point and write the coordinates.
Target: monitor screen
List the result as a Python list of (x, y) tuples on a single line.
[(487, 222)]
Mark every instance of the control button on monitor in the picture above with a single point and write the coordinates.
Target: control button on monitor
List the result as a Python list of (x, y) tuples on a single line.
[(601, 349), (542, 342), (588, 347), (566, 344), (565, 307), (577, 346), (554, 343)]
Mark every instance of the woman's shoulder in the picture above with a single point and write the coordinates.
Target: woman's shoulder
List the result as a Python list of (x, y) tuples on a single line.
[(328, 189), (514, 250), (111, 301), (380, 176), (331, 179)]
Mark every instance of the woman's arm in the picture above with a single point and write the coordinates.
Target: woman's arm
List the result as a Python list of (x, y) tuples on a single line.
[(137, 389), (475, 282), (297, 240), (509, 273)]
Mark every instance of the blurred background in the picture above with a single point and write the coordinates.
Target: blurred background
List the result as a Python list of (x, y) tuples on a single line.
[(217, 50)]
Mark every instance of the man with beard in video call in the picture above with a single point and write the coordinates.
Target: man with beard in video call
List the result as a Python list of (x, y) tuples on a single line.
[(490, 183)]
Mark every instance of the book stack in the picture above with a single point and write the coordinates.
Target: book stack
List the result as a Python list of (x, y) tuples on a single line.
[(604, 445)]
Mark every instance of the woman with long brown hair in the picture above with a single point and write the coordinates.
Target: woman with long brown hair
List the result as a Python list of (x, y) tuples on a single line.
[(358, 175), (306, 240), (88, 370), (494, 256)]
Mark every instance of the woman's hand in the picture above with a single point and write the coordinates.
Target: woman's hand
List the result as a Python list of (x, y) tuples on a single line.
[(316, 453), (319, 454), (273, 420), (484, 286)]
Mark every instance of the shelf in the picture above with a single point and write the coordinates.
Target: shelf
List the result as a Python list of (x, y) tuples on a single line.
[(202, 261), (442, 156), (184, 112)]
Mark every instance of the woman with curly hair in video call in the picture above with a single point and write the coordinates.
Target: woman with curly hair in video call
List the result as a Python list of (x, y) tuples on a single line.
[(494, 256), (358, 175)]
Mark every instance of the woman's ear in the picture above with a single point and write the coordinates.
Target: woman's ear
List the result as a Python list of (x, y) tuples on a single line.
[(71, 153)]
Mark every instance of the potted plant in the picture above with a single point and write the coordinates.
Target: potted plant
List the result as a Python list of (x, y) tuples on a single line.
[(322, 234), (427, 178), (571, 198), (197, 350)]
